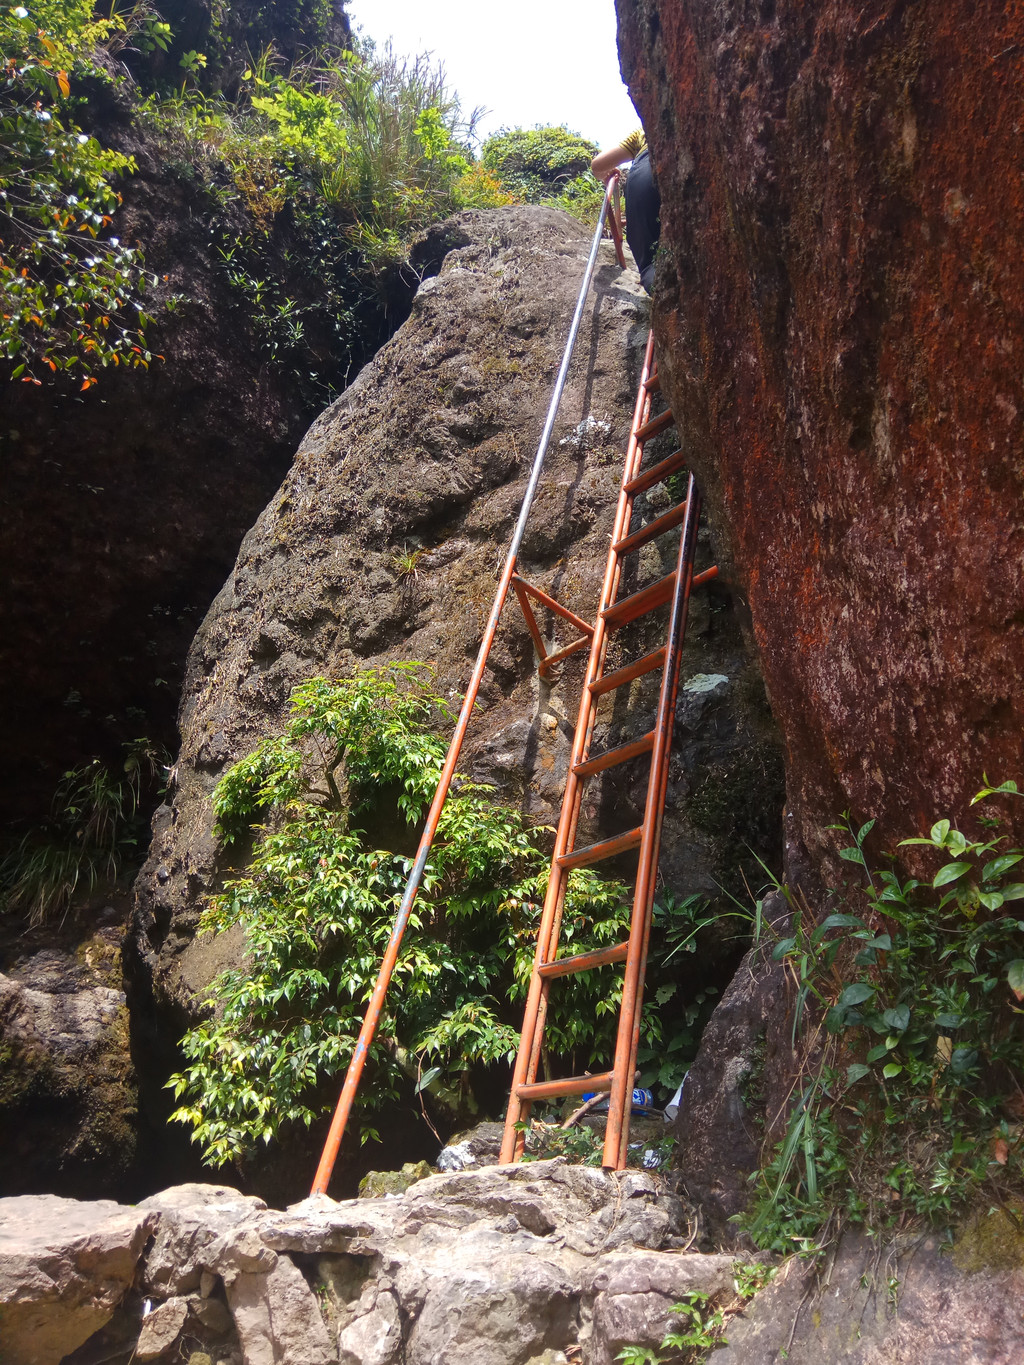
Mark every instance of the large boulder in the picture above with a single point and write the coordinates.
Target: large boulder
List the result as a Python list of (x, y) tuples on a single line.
[(427, 454), (840, 317)]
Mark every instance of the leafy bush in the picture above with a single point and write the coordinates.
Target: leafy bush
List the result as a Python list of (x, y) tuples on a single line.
[(317, 903), (378, 138), (913, 1008), (538, 163), (71, 295)]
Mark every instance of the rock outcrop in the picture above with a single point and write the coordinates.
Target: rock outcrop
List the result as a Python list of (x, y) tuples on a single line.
[(840, 315), (426, 456), (839, 311), (64, 1269), (503, 1266)]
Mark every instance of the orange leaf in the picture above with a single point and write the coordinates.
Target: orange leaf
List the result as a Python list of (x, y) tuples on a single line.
[(62, 81), (1000, 1151)]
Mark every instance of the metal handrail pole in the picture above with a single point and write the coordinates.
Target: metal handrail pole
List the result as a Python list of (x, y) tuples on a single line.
[(373, 1010)]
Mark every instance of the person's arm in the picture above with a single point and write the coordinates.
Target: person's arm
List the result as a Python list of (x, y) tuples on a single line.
[(605, 162)]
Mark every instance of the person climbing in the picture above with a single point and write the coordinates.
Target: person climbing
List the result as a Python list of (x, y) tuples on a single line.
[(643, 202)]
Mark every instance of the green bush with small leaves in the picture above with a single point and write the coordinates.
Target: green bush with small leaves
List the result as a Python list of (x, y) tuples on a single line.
[(317, 901), (538, 163)]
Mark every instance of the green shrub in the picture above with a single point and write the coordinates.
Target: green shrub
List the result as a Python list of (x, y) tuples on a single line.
[(317, 904), (95, 830), (538, 163)]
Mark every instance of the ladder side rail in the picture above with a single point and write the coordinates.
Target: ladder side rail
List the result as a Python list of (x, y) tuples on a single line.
[(617, 1130), (373, 1011), (694, 495), (535, 1009)]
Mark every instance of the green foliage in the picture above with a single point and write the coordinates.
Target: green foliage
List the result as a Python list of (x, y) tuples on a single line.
[(379, 138), (677, 1018), (317, 902), (538, 163), (334, 164), (914, 1010), (699, 1331), (71, 295), (94, 831)]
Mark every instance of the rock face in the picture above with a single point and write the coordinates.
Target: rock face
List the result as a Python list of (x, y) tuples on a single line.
[(904, 1303), (536, 1264), (428, 451), (840, 314)]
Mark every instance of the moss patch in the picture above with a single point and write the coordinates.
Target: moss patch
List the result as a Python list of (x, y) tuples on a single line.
[(992, 1239)]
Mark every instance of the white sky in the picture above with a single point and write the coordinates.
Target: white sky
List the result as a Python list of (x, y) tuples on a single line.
[(534, 61)]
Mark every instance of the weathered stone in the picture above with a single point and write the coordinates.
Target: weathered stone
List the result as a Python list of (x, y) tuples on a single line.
[(730, 1097), (65, 1029), (64, 1267), (487, 1303), (902, 1303), (161, 1328), (633, 1295), (375, 1337), (193, 1222), (481, 1146), (277, 1318), (211, 1314)]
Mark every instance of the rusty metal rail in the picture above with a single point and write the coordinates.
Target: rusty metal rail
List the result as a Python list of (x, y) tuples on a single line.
[(672, 590), (373, 1011)]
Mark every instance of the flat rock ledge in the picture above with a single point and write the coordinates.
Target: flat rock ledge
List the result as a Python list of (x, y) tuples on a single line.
[(534, 1264)]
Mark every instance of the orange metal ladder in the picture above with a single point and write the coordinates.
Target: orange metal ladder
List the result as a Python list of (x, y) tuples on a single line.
[(613, 612)]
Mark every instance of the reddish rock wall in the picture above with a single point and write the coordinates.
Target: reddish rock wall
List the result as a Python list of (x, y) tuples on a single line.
[(840, 311)]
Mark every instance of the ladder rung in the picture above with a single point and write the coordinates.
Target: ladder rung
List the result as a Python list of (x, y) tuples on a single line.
[(647, 599), (657, 473), (613, 757), (584, 962), (653, 383), (655, 425), (651, 531), (572, 1085), (627, 674), (607, 848)]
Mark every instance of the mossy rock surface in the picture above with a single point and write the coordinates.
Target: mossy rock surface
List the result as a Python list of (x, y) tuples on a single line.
[(993, 1239), (375, 1184)]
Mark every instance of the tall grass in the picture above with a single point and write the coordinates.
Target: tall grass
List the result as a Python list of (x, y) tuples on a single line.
[(90, 837)]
